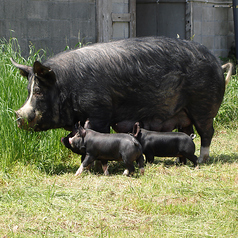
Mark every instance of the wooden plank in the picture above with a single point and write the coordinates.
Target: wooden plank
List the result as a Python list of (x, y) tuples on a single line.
[(126, 17), (104, 21), (132, 10)]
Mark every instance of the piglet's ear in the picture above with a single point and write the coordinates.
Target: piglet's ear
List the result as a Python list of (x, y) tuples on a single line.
[(87, 124), (82, 131), (44, 74)]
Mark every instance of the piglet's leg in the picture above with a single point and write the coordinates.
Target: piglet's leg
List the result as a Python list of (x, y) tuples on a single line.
[(105, 167), (130, 168), (126, 172), (87, 161), (140, 162), (80, 170)]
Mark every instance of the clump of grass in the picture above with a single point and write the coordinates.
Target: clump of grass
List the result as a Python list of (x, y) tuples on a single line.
[(228, 112), (43, 149)]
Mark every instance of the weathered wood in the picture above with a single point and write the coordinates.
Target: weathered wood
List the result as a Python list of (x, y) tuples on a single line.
[(133, 18), (126, 17), (106, 18), (104, 21)]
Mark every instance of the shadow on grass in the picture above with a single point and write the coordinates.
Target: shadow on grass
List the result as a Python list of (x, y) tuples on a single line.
[(117, 168), (223, 159)]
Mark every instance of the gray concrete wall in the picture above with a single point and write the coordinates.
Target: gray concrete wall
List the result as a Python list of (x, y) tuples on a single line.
[(211, 24), (48, 24), (55, 24)]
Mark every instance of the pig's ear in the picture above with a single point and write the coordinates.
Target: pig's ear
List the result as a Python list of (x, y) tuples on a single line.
[(24, 69), (87, 124), (44, 74), (136, 129), (82, 131)]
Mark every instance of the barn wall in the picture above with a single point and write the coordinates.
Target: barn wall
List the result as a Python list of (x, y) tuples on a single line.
[(211, 24), (48, 24), (55, 24)]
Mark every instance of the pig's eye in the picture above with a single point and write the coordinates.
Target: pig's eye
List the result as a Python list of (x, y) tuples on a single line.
[(78, 134)]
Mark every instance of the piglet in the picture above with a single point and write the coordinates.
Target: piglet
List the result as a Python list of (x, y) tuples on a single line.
[(104, 147), (165, 144)]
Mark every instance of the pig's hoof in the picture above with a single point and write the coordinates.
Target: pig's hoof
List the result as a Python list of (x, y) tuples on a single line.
[(202, 160), (106, 173), (142, 171), (126, 172), (80, 170)]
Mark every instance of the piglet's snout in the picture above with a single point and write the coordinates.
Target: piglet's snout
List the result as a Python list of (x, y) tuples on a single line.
[(70, 140)]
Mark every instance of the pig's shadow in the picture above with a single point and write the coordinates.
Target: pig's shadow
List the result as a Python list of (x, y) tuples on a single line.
[(117, 168), (213, 159)]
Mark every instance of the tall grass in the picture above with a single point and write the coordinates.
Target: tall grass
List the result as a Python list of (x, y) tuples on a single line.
[(43, 149), (228, 112)]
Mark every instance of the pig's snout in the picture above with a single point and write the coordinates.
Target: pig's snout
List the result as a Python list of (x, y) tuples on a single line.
[(70, 140)]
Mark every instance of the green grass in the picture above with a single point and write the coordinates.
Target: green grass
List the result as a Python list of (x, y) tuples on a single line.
[(41, 197), (43, 149)]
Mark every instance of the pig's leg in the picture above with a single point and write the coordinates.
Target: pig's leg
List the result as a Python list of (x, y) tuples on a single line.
[(129, 166), (187, 130), (149, 157), (86, 162), (206, 131), (80, 170), (83, 157), (105, 167), (140, 162), (182, 160), (192, 158)]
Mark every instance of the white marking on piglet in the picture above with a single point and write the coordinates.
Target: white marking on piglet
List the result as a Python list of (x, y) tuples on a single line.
[(126, 172), (80, 170), (204, 154)]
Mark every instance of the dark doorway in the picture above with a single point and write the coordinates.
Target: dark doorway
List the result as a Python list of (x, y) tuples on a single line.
[(157, 18)]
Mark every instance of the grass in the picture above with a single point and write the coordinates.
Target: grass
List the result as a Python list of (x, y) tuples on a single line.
[(43, 149), (41, 197), (168, 201)]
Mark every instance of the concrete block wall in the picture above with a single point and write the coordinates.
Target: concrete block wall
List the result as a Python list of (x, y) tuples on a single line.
[(48, 24), (212, 25), (55, 24)]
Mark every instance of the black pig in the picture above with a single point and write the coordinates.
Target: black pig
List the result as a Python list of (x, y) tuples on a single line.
[(165, 144), (162, 82), (101, 146)]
